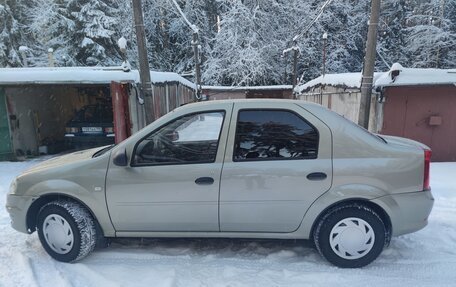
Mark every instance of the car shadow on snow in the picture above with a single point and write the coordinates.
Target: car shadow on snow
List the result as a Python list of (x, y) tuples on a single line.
[(217, 247)]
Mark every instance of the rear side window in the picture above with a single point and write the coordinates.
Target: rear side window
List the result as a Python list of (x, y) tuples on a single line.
[(274, 135)]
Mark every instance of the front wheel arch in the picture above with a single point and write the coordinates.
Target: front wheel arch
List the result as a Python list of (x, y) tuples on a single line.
[(32, 213), (66, 230)]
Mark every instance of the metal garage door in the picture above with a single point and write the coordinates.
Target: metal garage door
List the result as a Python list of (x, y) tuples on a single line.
[(425, 114)]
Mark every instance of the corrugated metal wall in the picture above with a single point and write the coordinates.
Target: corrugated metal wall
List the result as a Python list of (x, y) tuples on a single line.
[(425, 114), (171, 96)]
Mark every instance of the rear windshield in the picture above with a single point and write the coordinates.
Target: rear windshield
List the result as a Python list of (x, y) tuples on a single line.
[(94, 114), (377, 137)]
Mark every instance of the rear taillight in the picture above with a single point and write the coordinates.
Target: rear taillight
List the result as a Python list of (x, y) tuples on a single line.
[(72, 130), (109, 130), (427, 164)]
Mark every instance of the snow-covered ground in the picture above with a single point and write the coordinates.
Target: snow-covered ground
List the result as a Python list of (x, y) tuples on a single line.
[(425, 258)]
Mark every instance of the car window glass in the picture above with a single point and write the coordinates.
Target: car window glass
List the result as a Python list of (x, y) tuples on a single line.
[(94, 114), (274, 134), (377, 137), (189, 139)]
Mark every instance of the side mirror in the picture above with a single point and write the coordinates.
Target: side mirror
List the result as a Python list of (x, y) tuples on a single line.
[(120, 158)]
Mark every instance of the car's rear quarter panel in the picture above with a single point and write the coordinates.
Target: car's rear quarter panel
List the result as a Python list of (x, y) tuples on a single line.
[(365, 168)]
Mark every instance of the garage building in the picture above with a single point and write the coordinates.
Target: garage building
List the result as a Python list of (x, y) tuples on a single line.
[(36, 104)]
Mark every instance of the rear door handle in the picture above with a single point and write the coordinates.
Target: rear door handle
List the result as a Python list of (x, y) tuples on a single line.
[(316, 176), (204, 181)]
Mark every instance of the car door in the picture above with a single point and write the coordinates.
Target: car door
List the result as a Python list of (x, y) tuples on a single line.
[(172, 183), (278, 162)]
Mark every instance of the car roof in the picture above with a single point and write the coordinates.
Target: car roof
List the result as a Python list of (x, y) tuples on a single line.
[(291, 101)]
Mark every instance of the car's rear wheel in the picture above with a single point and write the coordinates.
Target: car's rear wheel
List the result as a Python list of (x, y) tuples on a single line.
[(350, 236), (66, 230)]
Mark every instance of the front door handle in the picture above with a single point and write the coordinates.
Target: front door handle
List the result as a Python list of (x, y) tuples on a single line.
[(204, 181), (316, 176)]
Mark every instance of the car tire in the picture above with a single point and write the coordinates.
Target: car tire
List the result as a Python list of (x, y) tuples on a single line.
[(66, 230), (350, 235)]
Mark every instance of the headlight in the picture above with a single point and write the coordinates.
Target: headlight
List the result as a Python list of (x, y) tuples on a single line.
[(13, 187)]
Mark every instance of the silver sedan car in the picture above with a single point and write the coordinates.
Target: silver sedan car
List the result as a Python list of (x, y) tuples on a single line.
[(238, 168)]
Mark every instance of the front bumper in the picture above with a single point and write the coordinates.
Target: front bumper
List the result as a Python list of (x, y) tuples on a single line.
[(17, 207), (408, 212)]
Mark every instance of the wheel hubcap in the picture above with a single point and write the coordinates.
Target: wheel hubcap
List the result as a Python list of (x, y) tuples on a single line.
[(352, 238), (58, 233)]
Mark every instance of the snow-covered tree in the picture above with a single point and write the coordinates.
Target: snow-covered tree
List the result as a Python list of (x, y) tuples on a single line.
[(241, 41), (12, 33), (125, 28), (345, 23), (391, 43), (51, 24), (253, 34), (237, 56), (430, 39), (95, 31), (170, 38)]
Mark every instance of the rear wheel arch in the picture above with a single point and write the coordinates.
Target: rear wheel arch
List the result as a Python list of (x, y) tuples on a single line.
[(359, 201)]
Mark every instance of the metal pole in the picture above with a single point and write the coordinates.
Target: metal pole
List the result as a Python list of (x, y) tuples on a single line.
[(442, 11), (51, 57), (325, 37), (23, 50), (195, 44), (369, 64), (295, 64), (323, 69), (144, 69)]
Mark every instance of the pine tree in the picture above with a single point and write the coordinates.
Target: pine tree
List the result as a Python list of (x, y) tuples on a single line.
[(345, 23), (12, 34), (124, 27), (53, 27), (241, 40), (391, 39), (95, 31), (429, 37)]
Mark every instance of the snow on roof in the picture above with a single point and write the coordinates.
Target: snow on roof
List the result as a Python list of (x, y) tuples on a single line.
[(400, 76), (350, 80), (82, 75), (397, 76), (241, 88)]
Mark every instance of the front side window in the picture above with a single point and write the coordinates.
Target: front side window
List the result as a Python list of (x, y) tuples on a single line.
[(189, 139), (272, 135)]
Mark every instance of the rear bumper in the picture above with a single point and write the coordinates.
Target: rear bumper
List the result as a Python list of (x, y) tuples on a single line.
[(17, 207), (408, 212)]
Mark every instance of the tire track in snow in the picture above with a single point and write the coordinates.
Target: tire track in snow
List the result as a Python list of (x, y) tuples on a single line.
[(18, 273)]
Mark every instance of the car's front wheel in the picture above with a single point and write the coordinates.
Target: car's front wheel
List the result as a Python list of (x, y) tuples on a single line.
[(66, 230), (350, 236)]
